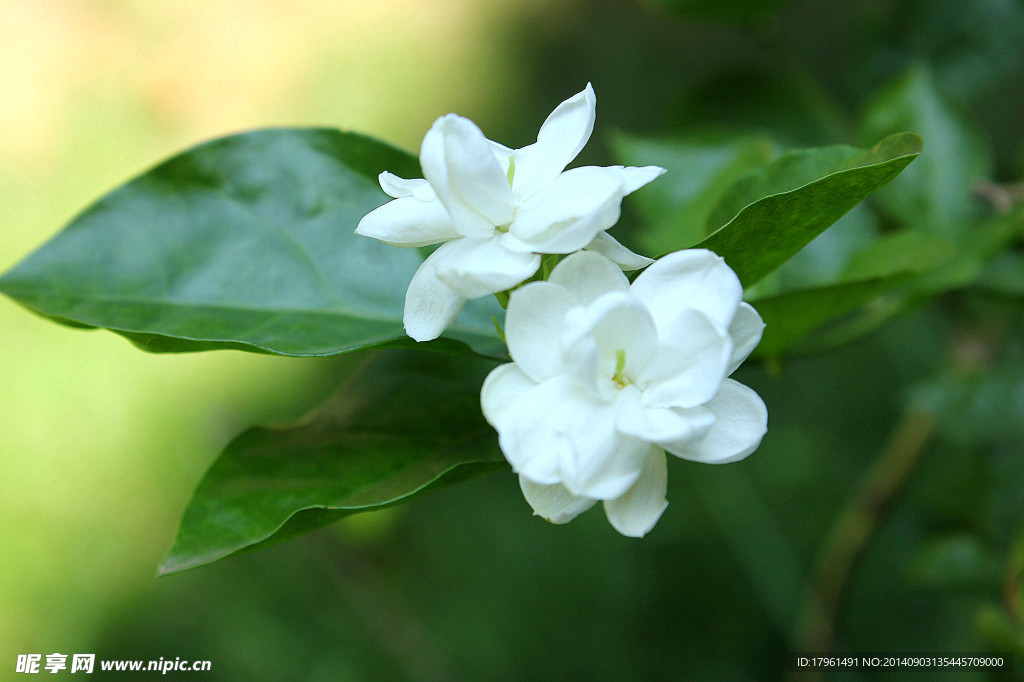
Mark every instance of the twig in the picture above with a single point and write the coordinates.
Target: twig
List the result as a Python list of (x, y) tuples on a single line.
[(852, 531)]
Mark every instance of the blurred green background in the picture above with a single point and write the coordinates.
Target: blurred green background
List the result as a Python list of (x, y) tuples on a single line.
[(100, 444)]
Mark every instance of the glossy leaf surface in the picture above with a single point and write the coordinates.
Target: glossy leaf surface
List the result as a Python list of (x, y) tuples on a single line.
[(244, 242), (407, 423), (783, 206)]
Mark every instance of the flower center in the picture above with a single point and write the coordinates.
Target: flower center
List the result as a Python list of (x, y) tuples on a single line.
[(620, 379)]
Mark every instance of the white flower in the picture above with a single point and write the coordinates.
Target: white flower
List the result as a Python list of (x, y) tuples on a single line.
[(607, 376), (498, 208)]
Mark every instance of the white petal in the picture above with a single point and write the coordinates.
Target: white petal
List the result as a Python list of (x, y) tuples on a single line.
[(477, 267), (408, 221), (745, 330), (636, 512), (560, 139), (460, 164), (690, 364), (691, 279), (741, 420), (568, 214), (535, 313), (400, 187), (634, 177), (504, 385), (659, 424), (594, 338), (587, 276), (610, 248), (553, 502), (430, 304)]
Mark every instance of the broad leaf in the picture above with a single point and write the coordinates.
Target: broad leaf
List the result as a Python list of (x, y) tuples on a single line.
[(935, 193), (409, 422), (785, 205), (700, 169), (879, 268), (244, 242), (791, 315)]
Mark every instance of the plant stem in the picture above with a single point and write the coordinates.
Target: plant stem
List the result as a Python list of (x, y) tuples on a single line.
[(853, 529)]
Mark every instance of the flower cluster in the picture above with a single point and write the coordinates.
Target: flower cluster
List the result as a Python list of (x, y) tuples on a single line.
[(606, 376)]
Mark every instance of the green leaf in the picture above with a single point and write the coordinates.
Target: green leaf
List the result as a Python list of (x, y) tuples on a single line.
[(244, 242), (935, 193), (879, 268), (791, 315), (408, 423), (785, 205), (700, 169)]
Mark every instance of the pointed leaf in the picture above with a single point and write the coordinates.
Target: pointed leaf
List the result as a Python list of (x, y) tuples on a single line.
[(244, 242), (409, 422), (935, 193), (797, 197)]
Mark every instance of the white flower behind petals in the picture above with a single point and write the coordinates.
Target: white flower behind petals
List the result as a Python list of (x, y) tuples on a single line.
[(607, 376), (498, 209)]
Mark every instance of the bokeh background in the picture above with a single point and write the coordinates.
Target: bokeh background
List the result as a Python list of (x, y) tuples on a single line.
[(100, 444)]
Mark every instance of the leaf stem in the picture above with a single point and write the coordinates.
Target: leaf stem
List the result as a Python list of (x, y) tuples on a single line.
[(853, 530)]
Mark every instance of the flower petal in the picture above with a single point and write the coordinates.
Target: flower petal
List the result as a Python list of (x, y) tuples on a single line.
[(607, 246), (741, 420), (477, 267), (587, 276), (505, 386), (746, 329), (659, 424), (690, 279), (614, 330), (560, 139), (554, 502), (534, 313), (461, 166), (397, 187), (636, 512), (408, 221), (430, 304), (690, 364), (575, 207)]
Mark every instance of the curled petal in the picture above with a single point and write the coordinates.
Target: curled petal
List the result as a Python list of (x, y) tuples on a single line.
[(692, 279), (659, 424), (588, 275), (613, 337), (553, 502), (504, 386), (408, 221), (534, 311), (430, 304), (477, 267), (397, 187), (741, 420), (690, 364), (560, 139), (461, 166), (746, 329), (636, 512), (607, 246)]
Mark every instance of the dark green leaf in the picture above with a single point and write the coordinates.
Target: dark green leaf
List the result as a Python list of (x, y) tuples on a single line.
[(791, 315), (409, 422), (244, 242), (785, 205), (675, 207), (935, 193)]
